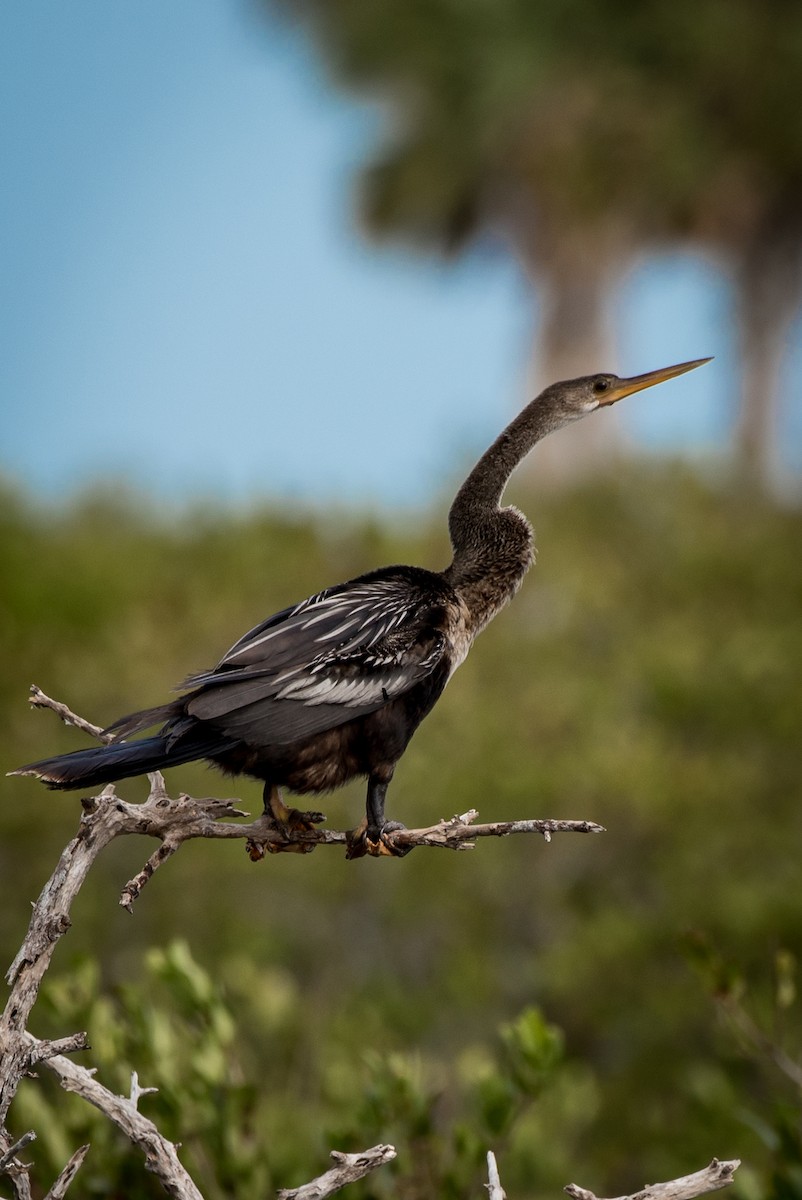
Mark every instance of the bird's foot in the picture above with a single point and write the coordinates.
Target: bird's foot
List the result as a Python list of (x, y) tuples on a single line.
[(375, 840), (286, 822)]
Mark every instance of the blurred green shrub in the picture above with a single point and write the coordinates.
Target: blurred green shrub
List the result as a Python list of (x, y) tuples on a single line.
[(647, 676), (223, 1094)]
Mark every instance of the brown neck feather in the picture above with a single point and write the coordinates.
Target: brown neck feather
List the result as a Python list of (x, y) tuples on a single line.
[(493, 546), (470, 519)]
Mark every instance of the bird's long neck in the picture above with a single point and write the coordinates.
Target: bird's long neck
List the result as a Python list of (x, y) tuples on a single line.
[(480, 496), (493, 546)]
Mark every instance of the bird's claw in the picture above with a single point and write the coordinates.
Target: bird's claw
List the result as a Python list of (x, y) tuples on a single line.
[(376, 841), (291, 821)]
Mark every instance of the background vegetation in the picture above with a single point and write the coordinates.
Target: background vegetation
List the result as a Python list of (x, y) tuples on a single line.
[(570, 1006)]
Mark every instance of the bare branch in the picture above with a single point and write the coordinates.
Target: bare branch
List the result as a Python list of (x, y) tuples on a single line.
[(60, 1185), (49, 922), (458, 833), (347, 1169), (718, 1175), (184, 818), (161, 1155), (38, 699), (20, 1181)]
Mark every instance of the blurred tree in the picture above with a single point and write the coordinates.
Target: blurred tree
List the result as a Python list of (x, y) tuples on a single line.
[(579, 133), (486, 117), (733, 69)]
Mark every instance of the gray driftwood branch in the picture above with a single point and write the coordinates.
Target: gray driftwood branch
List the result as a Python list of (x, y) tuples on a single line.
[(494, 1189), (59, 1187), (719, 1174), (348, 1168), (161, 1155)]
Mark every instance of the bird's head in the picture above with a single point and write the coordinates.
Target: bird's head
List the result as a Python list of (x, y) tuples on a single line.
[(576, 397)]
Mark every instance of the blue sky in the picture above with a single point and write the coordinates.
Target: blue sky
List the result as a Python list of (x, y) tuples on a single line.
[(187, 305)]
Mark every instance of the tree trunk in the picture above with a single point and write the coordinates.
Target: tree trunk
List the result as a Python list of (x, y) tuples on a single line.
[(768, 282), (575, 275)]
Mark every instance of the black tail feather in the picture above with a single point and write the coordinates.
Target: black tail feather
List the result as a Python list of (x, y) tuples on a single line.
[(135, 722), (120, 760)]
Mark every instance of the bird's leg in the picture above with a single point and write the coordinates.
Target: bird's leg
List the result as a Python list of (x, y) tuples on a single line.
[(285, 821), (369, 837)]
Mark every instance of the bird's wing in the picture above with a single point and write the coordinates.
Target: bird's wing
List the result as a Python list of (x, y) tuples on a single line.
[(344, 652)]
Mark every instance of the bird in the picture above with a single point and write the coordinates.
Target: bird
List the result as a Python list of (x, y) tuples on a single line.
[(334, 687)]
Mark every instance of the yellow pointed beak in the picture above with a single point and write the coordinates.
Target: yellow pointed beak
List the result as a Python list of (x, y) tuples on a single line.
[(625, 387)]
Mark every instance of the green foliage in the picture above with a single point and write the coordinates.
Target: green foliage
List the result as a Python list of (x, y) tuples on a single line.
[(759, 1016), (645, 677), (222, 1089), (662, 119)]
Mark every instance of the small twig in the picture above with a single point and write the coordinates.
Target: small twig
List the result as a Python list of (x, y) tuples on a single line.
[(20, 1144), (60, 1185), (494, 1189), (38, 699), (718, 1175), (131, 891), (751, 1032), (66, 1045), (347, 1169), (137, 1091)]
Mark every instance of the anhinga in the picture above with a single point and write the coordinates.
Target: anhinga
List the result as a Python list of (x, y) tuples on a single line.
[(335, 687)]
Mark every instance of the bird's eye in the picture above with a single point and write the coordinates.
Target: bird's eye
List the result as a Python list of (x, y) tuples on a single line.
[(601, 385)]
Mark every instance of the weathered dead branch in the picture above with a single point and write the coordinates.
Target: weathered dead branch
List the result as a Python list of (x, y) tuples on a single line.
[(38, 699), (719, 1174), (348, 1168), (60, 1185), (161, 1155), (494, 1189)]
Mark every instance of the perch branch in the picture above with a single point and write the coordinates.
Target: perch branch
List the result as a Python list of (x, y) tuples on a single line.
[(718, 1175), (174, 821), (347, 1169), (179, 820)]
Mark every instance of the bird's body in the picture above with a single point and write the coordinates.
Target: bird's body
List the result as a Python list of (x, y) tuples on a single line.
[(334, 687)]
